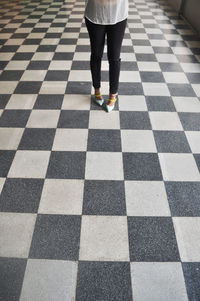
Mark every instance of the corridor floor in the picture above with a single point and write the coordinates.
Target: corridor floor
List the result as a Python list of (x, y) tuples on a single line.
[(97, 206)]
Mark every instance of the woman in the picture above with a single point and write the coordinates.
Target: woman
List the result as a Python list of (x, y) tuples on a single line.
[(106, 17)]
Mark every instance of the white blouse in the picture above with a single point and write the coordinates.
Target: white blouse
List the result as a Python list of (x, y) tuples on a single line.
[(106, 12)]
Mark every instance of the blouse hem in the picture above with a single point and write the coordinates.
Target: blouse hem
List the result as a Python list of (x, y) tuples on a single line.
[(105, 23)]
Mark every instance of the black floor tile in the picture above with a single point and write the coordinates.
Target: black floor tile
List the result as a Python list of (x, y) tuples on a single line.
[(141, 42), (9, 48), (152, 239), (184, 90), (130, 89), (57, 75), (3, 64), (52, 35), (146, 57), (21, 195), (160, 103), (197, 159), (11, 278), (22, 56), (32, 41), (37, 139), (186, 58), (191, 272), (104, 140), (67, 41), (6, 158), (11, 75), (56, 237), (4, 98), (183, 198), (80, 88), (190, 121), (63, 165), (162, 50), (46, 48), (170, 67), (28, 87), (129, 66), (63, 56), (104, 198), (142, 166), (80, 65), (73, 119), (14, 118), (171, 142), (38, 65), (103, 281), (194, 78), (48, 102), (152, 77), (135, 120)]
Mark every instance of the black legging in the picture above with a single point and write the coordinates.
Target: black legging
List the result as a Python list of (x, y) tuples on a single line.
[(115, 34)]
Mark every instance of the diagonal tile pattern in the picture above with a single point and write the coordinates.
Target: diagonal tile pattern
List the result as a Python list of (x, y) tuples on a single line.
[(97, 206)]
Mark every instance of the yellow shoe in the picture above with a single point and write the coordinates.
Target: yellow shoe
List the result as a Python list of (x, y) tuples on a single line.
[(99, 101), (109, 107)]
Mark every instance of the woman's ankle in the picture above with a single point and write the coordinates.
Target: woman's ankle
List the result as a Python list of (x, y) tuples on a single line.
[(97, 90), (113, 95)]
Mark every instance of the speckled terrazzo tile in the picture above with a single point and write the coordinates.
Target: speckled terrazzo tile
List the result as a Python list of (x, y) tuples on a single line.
[(6, 158), (158, 281), (37, 139), (160, 103), (171, 141), (45, 278), (14, 118), (63, 164), (21, 195), (135, 120), (79, 172), (104, 140), (152, 239), (109, 233), (183, 198), (11, 278), (103, 280), (56, 237), (17, 234), (191, 272), (197, 159), (141, 166), (104, 198), (187, 231), (62, 196), (190, 121)]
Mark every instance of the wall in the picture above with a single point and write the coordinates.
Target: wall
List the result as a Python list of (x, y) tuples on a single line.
[(176, 4), (191, 11)]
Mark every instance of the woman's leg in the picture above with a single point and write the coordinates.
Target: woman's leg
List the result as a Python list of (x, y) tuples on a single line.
[(97, 41), (115, 34)]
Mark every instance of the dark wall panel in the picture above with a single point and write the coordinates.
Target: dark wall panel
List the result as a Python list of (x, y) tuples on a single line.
[(191, 11), (176, 4)]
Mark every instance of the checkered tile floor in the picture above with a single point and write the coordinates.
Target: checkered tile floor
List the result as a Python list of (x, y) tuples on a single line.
[(97, 206)]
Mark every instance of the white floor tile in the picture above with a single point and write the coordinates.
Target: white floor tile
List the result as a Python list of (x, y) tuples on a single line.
[(187, 231), (165, 121), (158, 281), (16, 234), (62, 196), (104, 166), (104, 238), (178, 167), (138, 141), (29, 164)]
